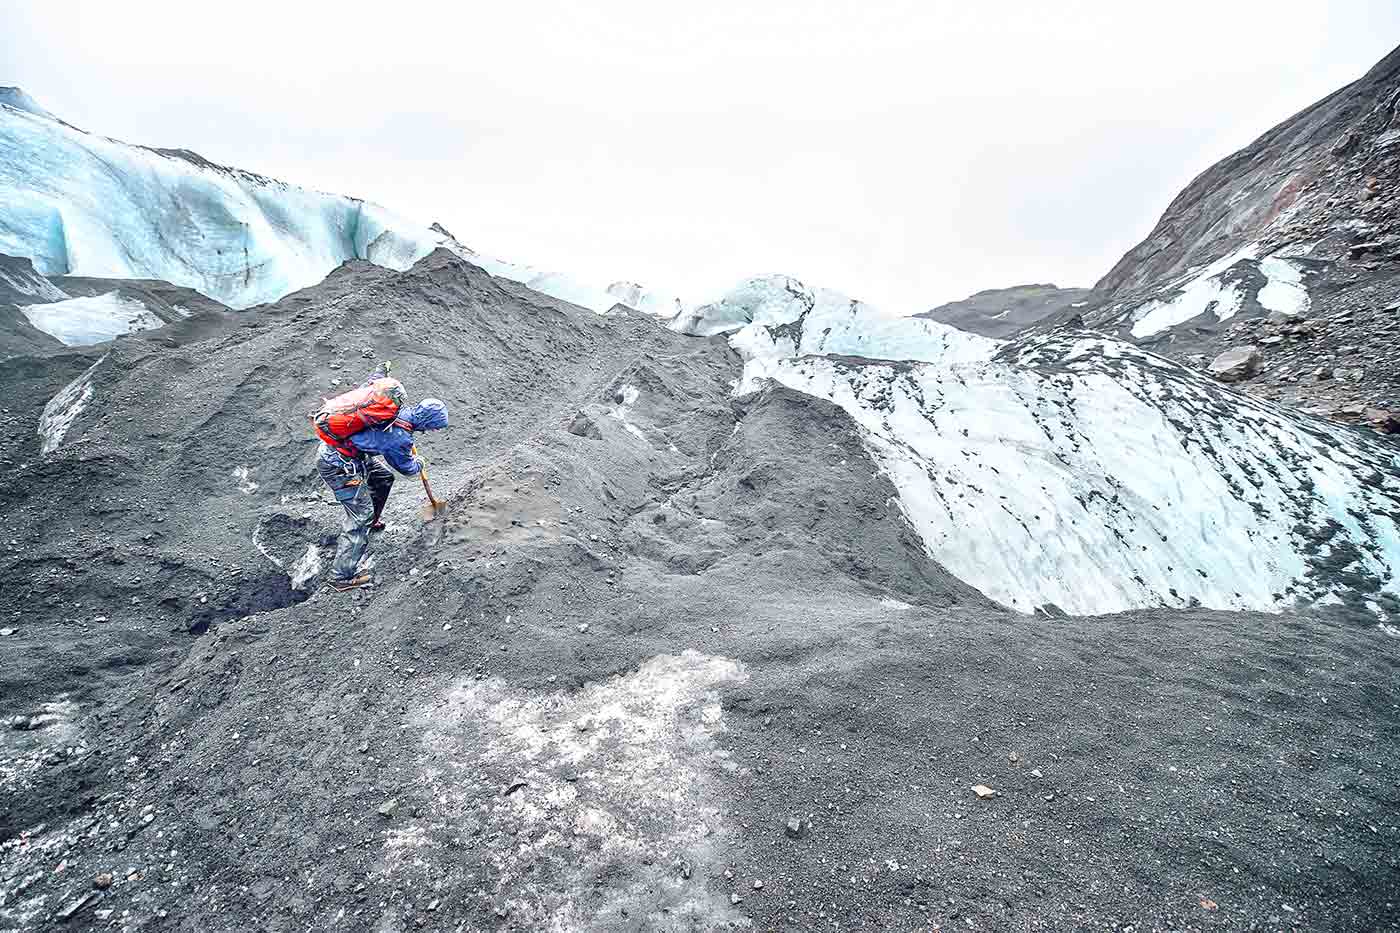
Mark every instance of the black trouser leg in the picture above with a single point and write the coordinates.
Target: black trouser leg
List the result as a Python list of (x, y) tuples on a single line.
[(354, 533), (381, 480), (352, 491)]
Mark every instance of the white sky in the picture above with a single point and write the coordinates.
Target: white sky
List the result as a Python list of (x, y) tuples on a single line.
[(907, 153)]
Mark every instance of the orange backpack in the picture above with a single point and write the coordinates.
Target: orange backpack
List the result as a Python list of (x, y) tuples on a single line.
[(340, 418)]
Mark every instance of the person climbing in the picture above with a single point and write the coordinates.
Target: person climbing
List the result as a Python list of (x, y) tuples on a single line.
[(352, 465)]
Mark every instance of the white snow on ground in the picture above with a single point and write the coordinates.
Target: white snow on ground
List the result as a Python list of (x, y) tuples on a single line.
[(307, 568), (81, 204), (262, 548), (627, 396), (1214, 289), (245, 485), (1094, 476), (1195, 296), (1284, 292), (81, 322), (50, 727), (64, 408), (50, 734), (613, 783)]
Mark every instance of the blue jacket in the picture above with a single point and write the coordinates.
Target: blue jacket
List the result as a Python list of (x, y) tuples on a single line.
[(391, 441), (394, 441)]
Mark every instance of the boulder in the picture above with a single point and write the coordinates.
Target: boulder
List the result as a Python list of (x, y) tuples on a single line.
[(1383, 420), (1235, 364)]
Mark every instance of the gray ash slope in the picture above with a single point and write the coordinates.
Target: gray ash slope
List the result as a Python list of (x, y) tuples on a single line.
[(658, 624)]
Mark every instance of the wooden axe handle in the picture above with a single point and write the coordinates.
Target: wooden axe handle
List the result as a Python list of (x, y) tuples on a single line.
[(423, 472)]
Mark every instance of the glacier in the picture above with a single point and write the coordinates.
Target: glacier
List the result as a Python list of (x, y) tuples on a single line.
[(775, 316), (81, 204), (1080, 473)]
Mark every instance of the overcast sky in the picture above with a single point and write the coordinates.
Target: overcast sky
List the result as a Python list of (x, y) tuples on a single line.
[(907, 153)]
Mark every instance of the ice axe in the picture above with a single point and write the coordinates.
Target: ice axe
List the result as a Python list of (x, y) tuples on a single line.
[(435, 506)]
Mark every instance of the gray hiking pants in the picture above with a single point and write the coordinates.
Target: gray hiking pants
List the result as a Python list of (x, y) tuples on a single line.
[(361, 487)]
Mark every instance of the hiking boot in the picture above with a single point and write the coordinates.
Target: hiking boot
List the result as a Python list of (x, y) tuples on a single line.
[(341, 584), (377, 526)]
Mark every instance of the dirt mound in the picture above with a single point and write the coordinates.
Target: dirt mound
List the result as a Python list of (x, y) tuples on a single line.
[(672, 661)]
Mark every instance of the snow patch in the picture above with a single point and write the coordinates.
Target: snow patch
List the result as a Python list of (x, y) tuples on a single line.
[(1284, 292), (596, 798), (307, 568), (81, 322), (64, 408), (627, 396), (1195, 297), (262, 548), (245, 485)]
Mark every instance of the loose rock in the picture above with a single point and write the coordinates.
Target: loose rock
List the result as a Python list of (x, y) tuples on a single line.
[(1236, 364)]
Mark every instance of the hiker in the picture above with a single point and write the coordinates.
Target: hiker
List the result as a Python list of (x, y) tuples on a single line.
[(354, 467)]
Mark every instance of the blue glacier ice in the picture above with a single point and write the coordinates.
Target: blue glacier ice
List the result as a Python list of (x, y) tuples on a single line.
[(76, 203)]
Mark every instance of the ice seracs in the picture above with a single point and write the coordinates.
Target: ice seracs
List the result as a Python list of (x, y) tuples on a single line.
[(17, 99), (657, 304), (775, 316), (76, 203)]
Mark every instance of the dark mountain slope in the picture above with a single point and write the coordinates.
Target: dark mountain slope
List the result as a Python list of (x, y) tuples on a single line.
[(1287, 251), (1004, 312), (1327, 176)]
